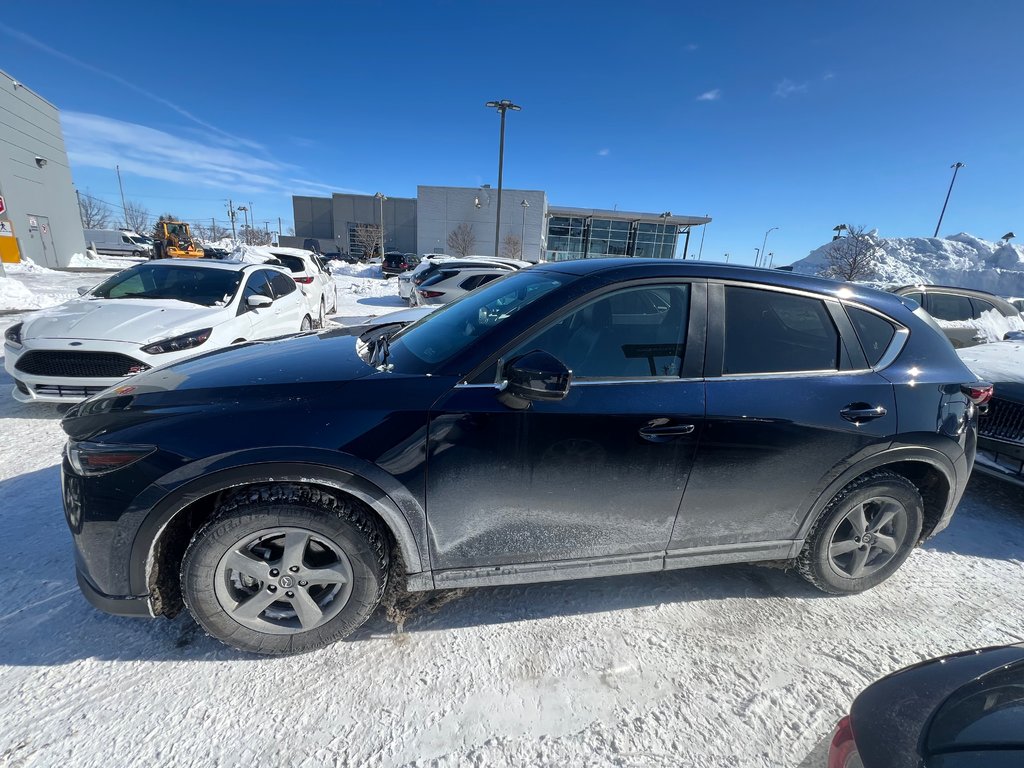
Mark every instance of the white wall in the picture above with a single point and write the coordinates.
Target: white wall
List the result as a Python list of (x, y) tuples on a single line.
[(439, 210)]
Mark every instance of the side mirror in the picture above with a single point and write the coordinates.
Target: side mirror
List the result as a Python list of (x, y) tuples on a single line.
[(84, 289), (537, 376), (259, 300)]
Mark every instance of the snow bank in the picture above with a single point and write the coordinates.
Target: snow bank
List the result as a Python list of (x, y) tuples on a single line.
[(1001, 361), (27, 266), (992, 323), (93, 260), (364, 271), (14, 295), (961, 260)]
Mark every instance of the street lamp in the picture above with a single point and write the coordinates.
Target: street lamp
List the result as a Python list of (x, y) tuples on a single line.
[(765, 242), (502, 106), (956, 167), (522, 240), (757, 255), (839, 229), (381, 197), (245, 215)]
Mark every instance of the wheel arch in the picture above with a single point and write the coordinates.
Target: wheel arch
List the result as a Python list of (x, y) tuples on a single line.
[(931, 471), (166, 531)]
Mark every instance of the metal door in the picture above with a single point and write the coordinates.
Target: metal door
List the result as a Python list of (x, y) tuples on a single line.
[(39, 227)]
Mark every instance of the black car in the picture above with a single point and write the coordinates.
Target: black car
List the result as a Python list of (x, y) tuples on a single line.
[(395, 263), (571, 420), (965, 710)]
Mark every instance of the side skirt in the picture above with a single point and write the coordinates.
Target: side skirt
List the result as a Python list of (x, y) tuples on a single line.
[(616, 565)]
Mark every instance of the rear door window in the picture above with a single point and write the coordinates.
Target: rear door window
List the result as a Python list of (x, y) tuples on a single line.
[(281, 283), (981, 306), (950, 307), (775, 332)]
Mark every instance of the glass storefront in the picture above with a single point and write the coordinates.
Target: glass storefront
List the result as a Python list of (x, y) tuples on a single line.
[(576, 237)]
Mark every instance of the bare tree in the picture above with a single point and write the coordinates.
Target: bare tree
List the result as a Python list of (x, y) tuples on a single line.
[(216, 231), (852, 257), (95, 213), (136, 216), (368, 237), (462, 240), (254, 235), (512, 247)]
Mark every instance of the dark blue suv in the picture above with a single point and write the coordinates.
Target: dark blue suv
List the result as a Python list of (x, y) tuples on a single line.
[(569, 420)]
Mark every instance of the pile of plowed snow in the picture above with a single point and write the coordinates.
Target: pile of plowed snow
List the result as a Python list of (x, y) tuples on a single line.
[(959, 260)]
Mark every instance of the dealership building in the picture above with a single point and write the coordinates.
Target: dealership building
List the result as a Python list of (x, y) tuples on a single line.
[(38, 210), (546, 232)]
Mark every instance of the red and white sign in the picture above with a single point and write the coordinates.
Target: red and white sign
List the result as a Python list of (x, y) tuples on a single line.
[(3, 206)]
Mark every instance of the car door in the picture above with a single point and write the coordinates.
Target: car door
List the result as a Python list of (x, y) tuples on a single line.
[(290, 305), (791, 398), (598, 474), (950, 308), (262, 319)]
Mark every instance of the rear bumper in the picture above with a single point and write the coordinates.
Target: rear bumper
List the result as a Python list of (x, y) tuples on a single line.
[(118, 605), (1001, 459)]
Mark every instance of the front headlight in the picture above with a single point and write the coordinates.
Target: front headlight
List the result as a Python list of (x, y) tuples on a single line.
[(178, 343), (13, 334)]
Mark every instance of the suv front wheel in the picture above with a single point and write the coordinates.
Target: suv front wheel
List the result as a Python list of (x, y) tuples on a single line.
[(285, 569), (864, 534)]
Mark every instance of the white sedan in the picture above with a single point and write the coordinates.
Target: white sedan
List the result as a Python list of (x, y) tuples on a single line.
[(151, 314)]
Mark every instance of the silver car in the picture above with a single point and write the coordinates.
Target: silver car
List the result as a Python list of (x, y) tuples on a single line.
[(452, 281)]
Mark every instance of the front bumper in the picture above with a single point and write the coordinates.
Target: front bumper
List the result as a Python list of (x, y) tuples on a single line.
[(118, 605)]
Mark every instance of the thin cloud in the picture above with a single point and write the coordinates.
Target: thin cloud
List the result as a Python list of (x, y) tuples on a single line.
[(304, 185), (828, 76), (102, 142), (223, 135), (712, 95), (603, 152), (786, 88), (691, 47)]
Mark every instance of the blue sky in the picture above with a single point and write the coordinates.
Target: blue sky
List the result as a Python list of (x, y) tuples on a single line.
[(796, 115)]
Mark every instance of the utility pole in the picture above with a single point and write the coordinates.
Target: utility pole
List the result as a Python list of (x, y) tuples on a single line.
[(502, 106), (522, 240), (757, 255), (231, 215), (124, 205), (279, 232), (956, 167), (381, 197)]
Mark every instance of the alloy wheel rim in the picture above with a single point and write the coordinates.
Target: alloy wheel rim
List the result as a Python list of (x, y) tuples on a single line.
[(868, 537), (283, 580)]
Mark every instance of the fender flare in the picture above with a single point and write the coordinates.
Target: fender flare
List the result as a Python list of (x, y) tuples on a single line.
[(395, 508), (892, 455)]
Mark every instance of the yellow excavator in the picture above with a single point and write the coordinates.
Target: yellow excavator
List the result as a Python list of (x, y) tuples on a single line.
[(173, 240)]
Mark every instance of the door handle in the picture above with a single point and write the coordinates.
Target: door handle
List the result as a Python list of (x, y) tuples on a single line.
[(858, 413), (664, 432)]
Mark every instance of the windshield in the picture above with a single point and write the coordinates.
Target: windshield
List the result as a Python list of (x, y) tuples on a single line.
[(196, 285), (442, 334)]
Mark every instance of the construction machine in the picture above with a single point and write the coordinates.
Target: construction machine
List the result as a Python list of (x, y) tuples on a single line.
[(173, 239)]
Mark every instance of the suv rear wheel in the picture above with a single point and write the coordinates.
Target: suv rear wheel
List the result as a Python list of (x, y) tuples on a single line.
[(285, 569), (864, 534)]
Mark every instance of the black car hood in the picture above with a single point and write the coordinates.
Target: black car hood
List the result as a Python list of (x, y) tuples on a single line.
[(267, 371), (890, 716), (1010, 390)]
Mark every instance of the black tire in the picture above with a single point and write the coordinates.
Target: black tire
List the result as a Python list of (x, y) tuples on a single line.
[(823, 561), (330, 521), (137, 254), (306, 324), (322, 320)]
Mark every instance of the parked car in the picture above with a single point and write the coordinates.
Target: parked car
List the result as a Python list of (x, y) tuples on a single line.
[(956, 308), (1018, 302), (146, 316), (450, 282), (965, 710), (409, 281), (1001, 426), (114, 242), (395, 263), (571, 420), (314, 279), (210, 252)]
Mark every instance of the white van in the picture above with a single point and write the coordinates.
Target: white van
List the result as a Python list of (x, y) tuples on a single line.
[(115, 242)]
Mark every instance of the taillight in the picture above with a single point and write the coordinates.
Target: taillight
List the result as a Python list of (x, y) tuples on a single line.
[(98, 459), (431, 294), (842, 752), (979, 393), (304, 280)]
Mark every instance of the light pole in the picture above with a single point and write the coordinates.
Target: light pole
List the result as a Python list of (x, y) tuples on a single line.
[(757, 255), (502, 106), (664, 231), (839, 229), (381, 197), (956, 167), (522, 239), (763, 244), (245, 215)]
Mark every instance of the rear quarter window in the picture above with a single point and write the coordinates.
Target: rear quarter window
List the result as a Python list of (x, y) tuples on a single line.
[(875, 332)]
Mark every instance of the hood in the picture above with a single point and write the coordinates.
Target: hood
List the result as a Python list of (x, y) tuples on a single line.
[(137, 321), (1009, 390)]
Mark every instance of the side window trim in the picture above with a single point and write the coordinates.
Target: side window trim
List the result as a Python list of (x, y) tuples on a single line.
[(693, 355), (898, 340)]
